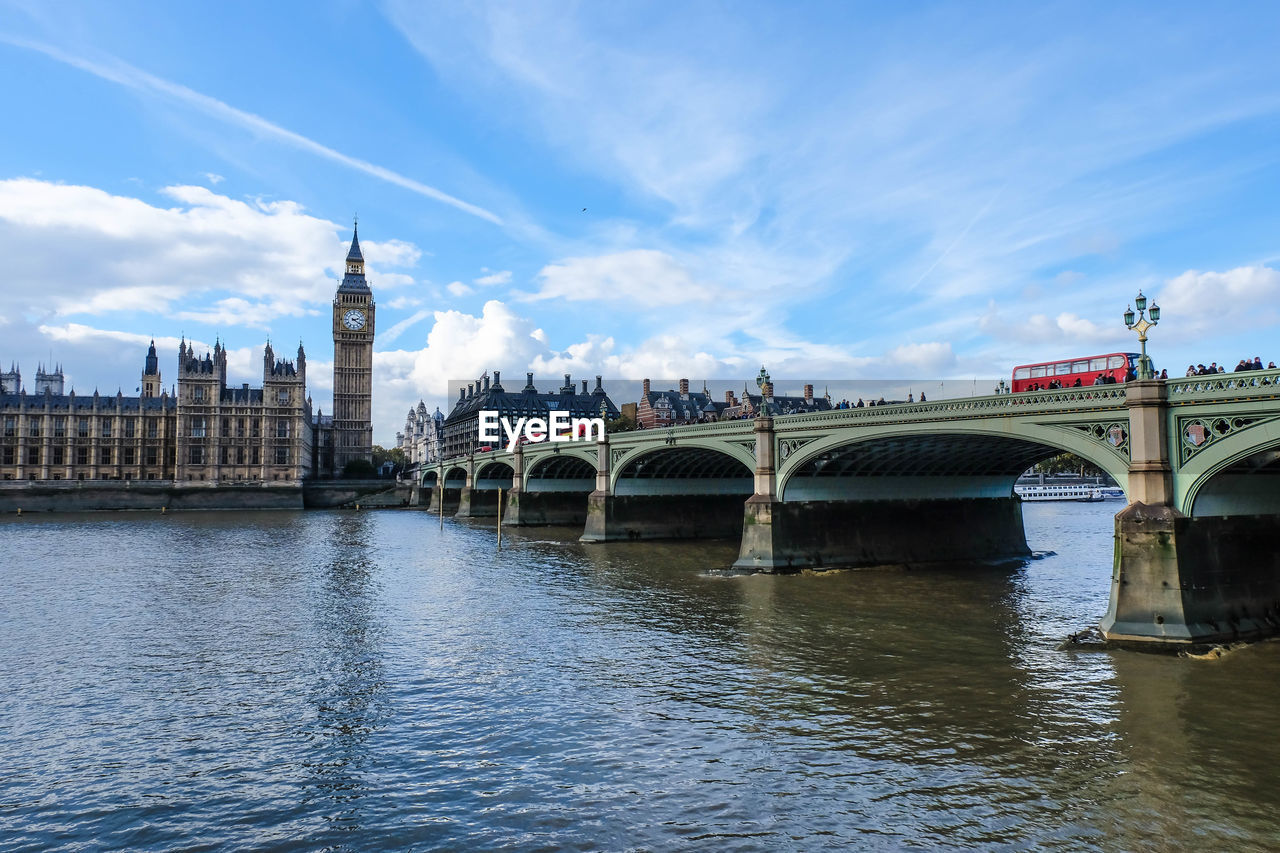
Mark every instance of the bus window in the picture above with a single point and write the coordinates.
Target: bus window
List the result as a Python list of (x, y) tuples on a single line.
[(1037, 373), (1098, 363), (1062, 368), (1115, 361), (1022, 373), (1079, 366)]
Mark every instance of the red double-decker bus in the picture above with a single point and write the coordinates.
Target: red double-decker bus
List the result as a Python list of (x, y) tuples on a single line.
[(1075, 372)]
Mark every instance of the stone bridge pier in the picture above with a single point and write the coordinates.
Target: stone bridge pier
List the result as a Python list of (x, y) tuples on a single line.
[(1212, 575)]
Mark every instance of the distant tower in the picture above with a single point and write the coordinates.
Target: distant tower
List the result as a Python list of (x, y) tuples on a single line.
[(151, 373), (51, 381), (353, 311), (11, 382)]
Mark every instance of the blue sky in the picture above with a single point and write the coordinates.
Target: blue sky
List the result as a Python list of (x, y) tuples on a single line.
[(835, 190)]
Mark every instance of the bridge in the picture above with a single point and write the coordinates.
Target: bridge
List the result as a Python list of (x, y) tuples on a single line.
[(932, 483)]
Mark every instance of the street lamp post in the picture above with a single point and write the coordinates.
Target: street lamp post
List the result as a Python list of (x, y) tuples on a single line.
[(1152, 318), (761, 381)]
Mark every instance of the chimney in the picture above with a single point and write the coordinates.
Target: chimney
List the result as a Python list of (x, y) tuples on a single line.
[(497, 376), (462, 394), (684, 389), (808, 393), (646, 387), (486, 382), (728, 399), (599, 383), (584, 387)]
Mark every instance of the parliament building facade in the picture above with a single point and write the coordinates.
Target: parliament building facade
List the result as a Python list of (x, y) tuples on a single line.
[(201, 431)]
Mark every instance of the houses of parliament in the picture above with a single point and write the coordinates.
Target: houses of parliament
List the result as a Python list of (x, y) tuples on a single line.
[(202, 431)]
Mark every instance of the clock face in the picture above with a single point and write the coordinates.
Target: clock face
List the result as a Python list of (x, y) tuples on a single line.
[(353, 320)]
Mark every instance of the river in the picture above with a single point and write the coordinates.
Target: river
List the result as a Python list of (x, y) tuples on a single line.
[(282, 681)]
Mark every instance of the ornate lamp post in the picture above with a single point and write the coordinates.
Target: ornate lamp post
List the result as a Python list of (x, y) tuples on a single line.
[(1145, 368), (761, 381)]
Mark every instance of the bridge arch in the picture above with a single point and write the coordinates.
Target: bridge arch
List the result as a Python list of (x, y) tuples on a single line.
[(689, 468), (493, 475), (429, 478), (1235, 475), (561, 472), (906, 462), (455, 477)]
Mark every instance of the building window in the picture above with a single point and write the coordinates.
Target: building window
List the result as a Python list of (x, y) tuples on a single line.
[(197, 427), (226, 426), (151, 455), (6, 455), (282, 427), (104, 456), (282, 456), (82, 429), (59, 427), (256, 427), (130, 427), (239, 427), (106, 427), (82, 457), (153, 427), (283, 397), (256, 457), (197, 455), (58, 456), (197, 393), (128, 456), (223, 456), (33, 456), (33, 427), (10, 427), (239, 455)]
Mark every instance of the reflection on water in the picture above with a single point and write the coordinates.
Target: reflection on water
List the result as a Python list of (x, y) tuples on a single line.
[(357, 681)]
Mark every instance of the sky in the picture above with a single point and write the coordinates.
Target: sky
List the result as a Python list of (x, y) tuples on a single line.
[(835, 190)]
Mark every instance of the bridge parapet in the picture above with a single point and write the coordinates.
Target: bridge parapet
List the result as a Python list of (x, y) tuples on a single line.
[(1223, 387)]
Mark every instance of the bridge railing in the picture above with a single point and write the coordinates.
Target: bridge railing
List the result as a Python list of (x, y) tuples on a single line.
[(1256, 384), (1063, 399)]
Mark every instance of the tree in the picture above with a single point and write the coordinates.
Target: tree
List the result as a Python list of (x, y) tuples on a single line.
[(1065, 463), (621, 423), (359, 469)]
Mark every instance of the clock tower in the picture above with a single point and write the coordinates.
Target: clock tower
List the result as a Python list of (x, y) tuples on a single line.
[(353, 312)]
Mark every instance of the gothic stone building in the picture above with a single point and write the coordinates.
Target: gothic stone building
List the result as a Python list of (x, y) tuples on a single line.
[(204, 431), (422, 435)]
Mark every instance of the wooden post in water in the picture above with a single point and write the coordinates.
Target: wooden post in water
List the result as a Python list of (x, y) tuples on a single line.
[(499, 519)]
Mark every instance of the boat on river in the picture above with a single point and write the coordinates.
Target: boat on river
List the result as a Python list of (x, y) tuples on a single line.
[(1074, 492)]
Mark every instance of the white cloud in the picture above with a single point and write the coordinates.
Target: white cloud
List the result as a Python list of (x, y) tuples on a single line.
[(402, 302), (645, 276), (457, 288), (1242, 297), (213, 178), (210, 258), (503, 277)]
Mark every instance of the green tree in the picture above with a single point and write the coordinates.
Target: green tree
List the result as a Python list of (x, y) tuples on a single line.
[(621, 423), (1068, 463), (359, 469)]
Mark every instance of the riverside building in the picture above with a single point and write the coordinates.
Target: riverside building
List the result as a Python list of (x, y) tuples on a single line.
[(462, 426), (200, 430)]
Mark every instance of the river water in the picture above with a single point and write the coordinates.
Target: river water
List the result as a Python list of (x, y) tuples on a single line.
[(362, 681)]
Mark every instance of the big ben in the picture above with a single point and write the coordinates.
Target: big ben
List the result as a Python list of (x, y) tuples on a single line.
[(353, 312)]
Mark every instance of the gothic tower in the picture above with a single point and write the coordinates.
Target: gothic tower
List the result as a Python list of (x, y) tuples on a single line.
[(150, 373), (353, 311)]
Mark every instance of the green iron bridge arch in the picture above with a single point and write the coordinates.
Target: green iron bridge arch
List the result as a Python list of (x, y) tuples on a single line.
[(1199, 460)]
